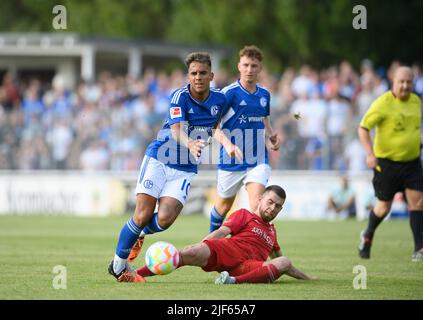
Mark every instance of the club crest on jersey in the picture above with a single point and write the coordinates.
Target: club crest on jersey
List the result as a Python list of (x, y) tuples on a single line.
[(175, 112), (214, 110), (148, 184), (263, 101)]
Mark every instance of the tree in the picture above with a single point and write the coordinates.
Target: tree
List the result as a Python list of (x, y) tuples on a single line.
[(290, 32)]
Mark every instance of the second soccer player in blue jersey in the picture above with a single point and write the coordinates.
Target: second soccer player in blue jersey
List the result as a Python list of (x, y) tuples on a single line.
[(247, 126)]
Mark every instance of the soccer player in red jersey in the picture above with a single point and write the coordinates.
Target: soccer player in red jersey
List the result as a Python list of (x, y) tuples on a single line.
[(243, 257)]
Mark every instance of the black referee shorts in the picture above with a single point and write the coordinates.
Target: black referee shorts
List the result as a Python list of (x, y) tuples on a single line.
[(395, 177)]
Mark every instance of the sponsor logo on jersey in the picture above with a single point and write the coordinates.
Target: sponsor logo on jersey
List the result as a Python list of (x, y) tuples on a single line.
[(175, 112), (242, 119), (191, 111), (255, 119), (199, 129), (243, 103), (262, 234)]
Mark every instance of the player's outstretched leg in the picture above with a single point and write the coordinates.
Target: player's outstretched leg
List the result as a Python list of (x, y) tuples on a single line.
[(145, 272), (268, 272), (256, 272), (263, 274)]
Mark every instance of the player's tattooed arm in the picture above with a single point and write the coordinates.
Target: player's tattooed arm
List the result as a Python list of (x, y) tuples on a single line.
[(222, 232)]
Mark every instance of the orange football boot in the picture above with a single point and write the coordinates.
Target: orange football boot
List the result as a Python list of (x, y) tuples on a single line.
[(126, 275), (136, 249)]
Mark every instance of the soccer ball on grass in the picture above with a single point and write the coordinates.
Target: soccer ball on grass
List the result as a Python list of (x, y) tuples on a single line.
[(161, 257)]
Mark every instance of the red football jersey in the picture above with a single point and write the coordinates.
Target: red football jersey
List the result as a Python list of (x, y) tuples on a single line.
[(254, 237)]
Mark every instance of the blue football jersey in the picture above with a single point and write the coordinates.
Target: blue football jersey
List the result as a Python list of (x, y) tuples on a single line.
[(243, 123), (198, 119)]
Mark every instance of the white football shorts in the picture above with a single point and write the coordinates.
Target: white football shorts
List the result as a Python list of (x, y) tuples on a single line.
[(158, 180), (229, 182)]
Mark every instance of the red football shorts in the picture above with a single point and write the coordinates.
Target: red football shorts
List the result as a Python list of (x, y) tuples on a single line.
[(226, 257)]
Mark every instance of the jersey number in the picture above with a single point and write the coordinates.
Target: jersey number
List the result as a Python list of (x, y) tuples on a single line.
[(185, 186)]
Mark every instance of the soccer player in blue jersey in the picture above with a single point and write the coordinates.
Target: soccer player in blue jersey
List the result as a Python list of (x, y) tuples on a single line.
[(170, 162), (247, 126)]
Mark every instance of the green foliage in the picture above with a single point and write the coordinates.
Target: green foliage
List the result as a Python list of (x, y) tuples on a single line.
[(290, 32)]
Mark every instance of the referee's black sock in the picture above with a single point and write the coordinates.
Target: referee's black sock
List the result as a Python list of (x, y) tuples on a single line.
[(373, 223), (416, 224)]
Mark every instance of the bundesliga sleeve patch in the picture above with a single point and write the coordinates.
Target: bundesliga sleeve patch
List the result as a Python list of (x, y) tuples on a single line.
[(175, 112)]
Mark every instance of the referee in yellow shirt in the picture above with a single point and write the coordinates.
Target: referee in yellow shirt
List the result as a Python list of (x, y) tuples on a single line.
[(394, 157)]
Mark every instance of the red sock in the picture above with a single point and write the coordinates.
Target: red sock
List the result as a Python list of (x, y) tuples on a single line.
[(145, 272), (263, 274)]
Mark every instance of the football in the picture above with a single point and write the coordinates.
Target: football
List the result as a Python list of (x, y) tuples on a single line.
[(161, 257)]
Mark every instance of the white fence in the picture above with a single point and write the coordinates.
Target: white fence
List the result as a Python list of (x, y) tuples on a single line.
[(61, 193), (307, 192), (111, 193)]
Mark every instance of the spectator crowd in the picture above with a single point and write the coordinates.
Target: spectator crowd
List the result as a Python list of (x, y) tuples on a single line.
[(107, 124)]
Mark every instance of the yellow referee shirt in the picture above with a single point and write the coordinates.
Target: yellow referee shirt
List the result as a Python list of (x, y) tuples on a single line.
[(397, 124)]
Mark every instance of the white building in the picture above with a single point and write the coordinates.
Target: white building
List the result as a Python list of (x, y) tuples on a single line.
[(75, 57)]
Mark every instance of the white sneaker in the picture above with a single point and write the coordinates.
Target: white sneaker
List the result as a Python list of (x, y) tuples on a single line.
[(417, 256), (224, 278)]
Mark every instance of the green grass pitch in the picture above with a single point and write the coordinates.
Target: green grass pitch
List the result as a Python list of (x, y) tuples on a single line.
[(30, 247)]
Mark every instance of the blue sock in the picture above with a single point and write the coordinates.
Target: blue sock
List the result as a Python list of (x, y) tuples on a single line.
[(216, 220), (127, 238), (153, 226)]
